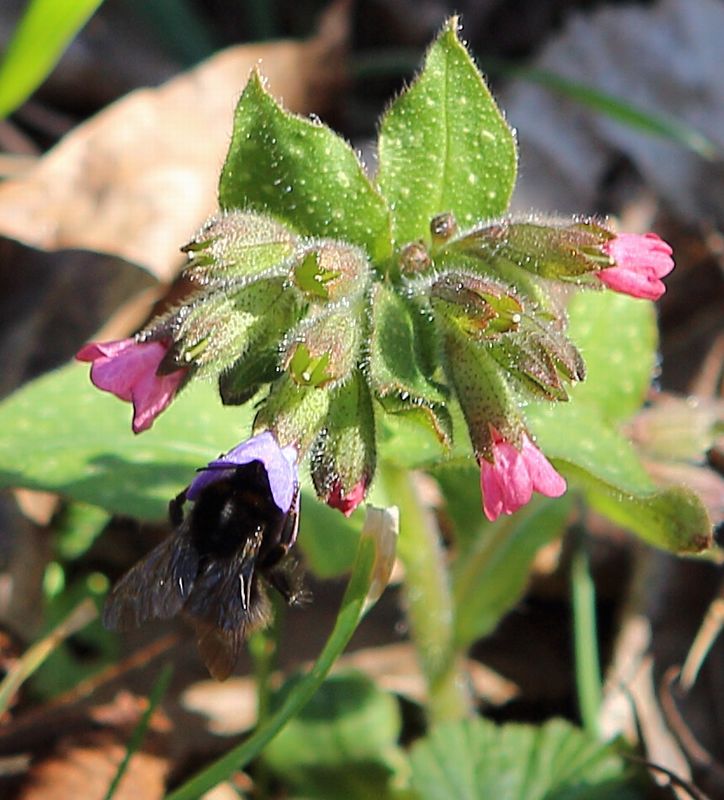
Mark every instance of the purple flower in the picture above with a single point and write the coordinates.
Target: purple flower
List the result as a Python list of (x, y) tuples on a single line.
[(280, 464), (128, 369), (640, 263)]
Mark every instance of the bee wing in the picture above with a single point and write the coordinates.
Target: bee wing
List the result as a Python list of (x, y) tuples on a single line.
[(226, 603), (156, 587)]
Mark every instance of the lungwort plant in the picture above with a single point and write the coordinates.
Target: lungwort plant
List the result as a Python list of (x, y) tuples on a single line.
[(368, 324)]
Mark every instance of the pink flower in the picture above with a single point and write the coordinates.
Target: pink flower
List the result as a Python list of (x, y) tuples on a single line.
[(509, 480), (641, 260), (127, 369), (348, 502)]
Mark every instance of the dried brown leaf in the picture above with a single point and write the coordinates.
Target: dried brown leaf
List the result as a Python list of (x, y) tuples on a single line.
[(85, 768), (138, 178), (83, 764)]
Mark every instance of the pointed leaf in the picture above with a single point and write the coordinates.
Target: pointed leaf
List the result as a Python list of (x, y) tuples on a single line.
[(302, 173), (606, 466), (444, 145)]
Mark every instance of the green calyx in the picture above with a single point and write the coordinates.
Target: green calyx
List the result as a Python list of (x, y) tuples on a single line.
[(344, 454)]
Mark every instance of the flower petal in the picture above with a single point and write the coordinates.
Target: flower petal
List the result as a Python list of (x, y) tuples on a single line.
[(639, 262), (127, 369), (544, 477), (508, 481), (348, 502), (280, 464)]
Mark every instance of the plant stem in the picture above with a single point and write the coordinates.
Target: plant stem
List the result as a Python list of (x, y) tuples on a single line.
[(428, 599), (585, 635)]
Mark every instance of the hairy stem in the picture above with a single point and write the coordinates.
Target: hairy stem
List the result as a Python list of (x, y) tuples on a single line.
[(428, 598)]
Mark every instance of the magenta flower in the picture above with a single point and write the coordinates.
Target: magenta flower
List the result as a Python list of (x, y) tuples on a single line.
[(128, 369), (508, 481), (640, 262), (348, 502)]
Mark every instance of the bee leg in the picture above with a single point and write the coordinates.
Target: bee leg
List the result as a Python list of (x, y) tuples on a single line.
[(287, 579), (175, 509)]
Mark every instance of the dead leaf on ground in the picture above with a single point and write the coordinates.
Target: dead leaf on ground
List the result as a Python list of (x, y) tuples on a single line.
[(85, 768), (138, 178), (83, 765)]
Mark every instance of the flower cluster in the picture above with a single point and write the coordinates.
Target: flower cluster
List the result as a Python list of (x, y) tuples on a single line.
[(470, 317)]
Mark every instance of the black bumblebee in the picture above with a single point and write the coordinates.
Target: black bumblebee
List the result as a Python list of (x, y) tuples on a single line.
[(216, 566)]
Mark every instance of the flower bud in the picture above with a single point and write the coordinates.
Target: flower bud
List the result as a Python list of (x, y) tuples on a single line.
[(330, 271), (442, 228), (540, 361), (485, 396), (482, 307), (343, 456), (237, 247), (214, 329), (414, 259), (324, 349), (561, 250), (260, 363)]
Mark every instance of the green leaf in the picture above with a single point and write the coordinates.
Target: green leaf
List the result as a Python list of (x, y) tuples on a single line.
[(606, 466), (492, 562), (444, 145), (342, 744), (44, 32), (673, 519), (302, 173), (476, 759), (617, 337), (581, 433)]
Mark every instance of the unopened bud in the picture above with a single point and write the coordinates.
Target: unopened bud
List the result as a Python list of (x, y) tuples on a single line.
[(442, 228), (324, 349), (239, 246), (294, 413), (482, 307), (483, 390), (343, 456), (331, 271), (564, 250), (414, 258)]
